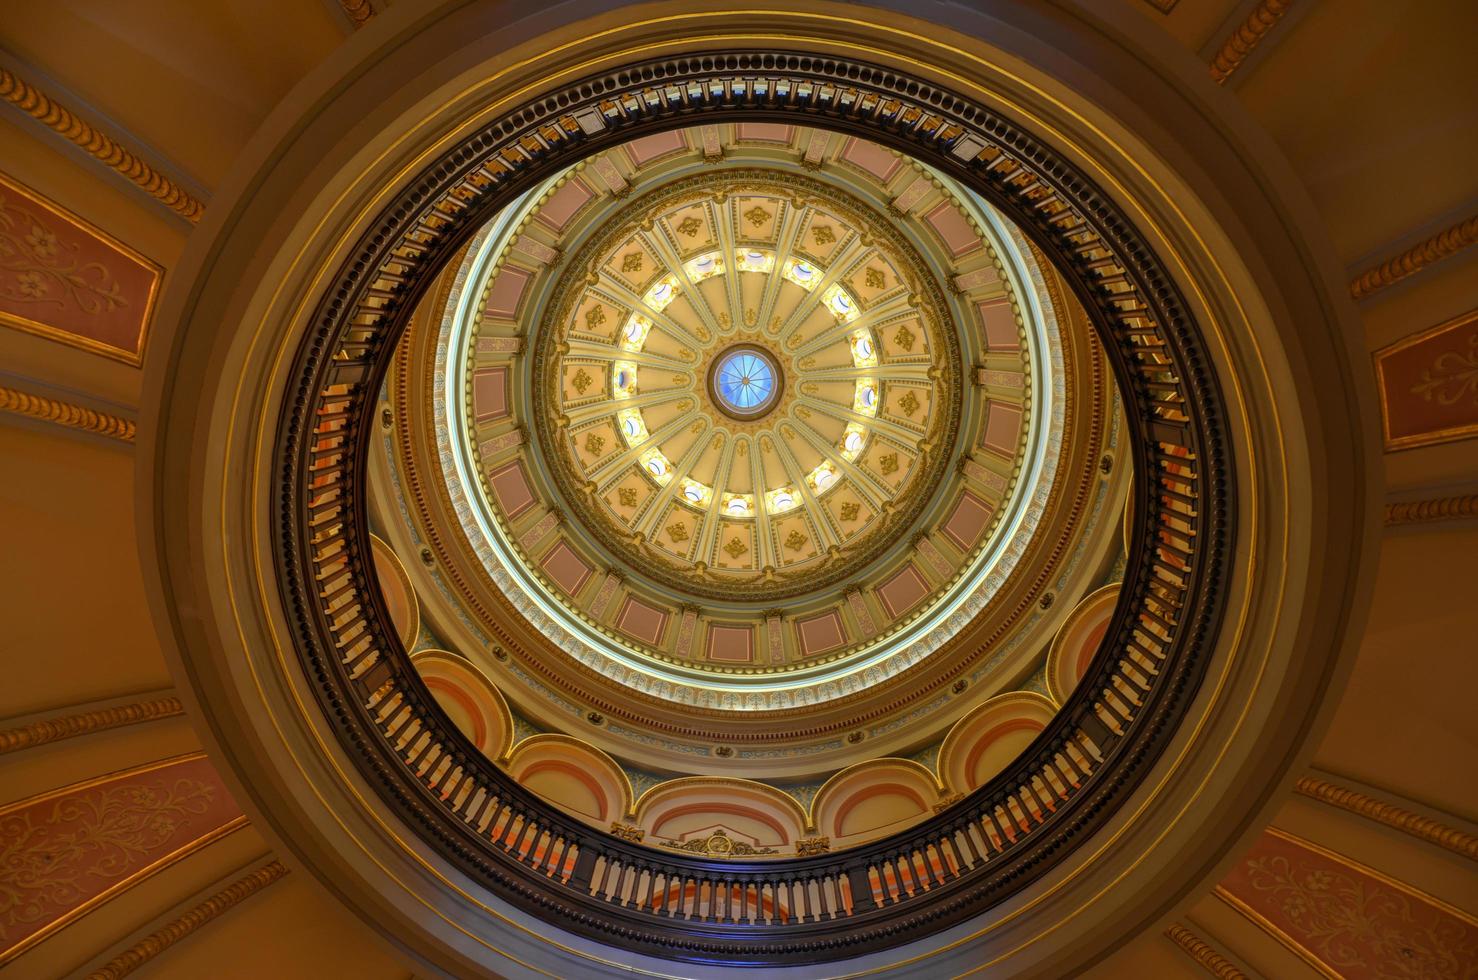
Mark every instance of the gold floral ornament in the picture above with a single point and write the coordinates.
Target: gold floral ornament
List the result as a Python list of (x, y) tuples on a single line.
[(756, 216), (689, 226), (632, 262), (909, 403), (850, 510), (594, 444), (735, 547), (904, 338), (718, 844), (888, 464), (1452, 377), (874, 278), (823, 234), (627, 496), (795, 540), (46, 272), (582, 381), (677, 531), (595, 316), (55, 855)]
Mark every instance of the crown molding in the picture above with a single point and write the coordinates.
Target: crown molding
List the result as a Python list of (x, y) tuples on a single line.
[(67, 414), (125, 155)]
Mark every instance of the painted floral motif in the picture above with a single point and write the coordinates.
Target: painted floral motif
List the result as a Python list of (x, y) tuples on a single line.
[(60, 853), (1452, 377), (1355, 923), (36, 267)]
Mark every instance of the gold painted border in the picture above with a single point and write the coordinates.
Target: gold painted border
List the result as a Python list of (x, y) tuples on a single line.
[(1292, 944), (1436, 436), (123, 884), (133, 357)]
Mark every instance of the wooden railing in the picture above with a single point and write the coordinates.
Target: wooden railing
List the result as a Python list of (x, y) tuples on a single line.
[(955, 864)]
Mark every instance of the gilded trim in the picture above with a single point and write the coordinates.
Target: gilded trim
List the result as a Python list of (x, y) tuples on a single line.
[(1205, 955), (39, 106), (86, 722), (1291, 943), (1461, 377), (1457, 508), (1441, 245), (1248, 35), (1283, 939), (180, 928), (65, 413), (128, 355), (123, 884), (1395, 817)]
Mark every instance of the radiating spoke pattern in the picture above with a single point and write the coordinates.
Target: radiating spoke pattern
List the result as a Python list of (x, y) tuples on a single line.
[(746, 382)]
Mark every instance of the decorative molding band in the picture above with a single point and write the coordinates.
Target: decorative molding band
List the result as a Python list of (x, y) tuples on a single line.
[(359, 11), (65, 413), (1197, 949), (1456, 508), (203, 914), (1395, 817), (1246, 37), (1416, 258), (83, 723), (45, 110)]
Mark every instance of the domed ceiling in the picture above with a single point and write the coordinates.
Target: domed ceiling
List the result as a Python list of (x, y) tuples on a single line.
[(752, 392), (746, 445)]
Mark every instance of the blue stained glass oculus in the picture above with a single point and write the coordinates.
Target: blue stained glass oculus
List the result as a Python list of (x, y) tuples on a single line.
[(746, 381)]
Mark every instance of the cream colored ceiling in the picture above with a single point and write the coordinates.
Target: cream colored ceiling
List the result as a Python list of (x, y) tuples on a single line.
[(868, 387)]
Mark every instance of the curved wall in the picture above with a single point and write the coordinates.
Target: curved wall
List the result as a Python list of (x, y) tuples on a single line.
[(92, 698)]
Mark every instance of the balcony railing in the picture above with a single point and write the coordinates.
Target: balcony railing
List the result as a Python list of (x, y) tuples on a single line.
[(954, 865)]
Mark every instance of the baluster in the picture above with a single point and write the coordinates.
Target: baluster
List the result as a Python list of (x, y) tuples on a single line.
[(860, 886)]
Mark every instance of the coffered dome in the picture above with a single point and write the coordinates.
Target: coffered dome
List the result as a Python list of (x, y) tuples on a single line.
[(758, 423)]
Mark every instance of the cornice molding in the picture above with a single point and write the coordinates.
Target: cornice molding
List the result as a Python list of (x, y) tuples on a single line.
[(1203, 953), (64, 413), (65, 123), (180, 928), (1455, 508), (86, 722), (1416, 258), (1248, 35), (1395, 817)]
